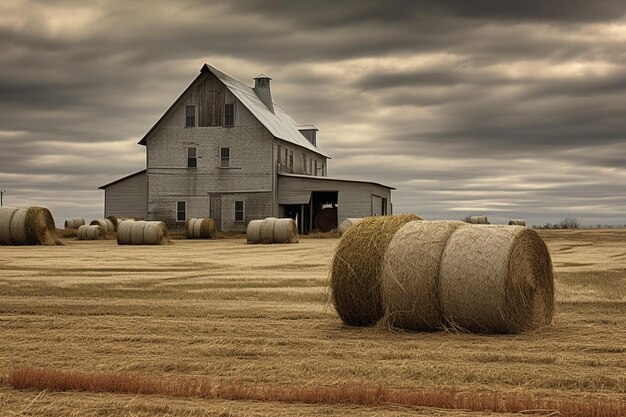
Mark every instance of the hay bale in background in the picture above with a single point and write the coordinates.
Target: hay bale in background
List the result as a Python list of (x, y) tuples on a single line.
[(91, 232), (517, 222), (74, 223), (478, 220), (106, 224), (326, 219), (356, 268), (116, 221), (253, 231), (141, 232), (496, 279), (267, 230), (124, 229), (31, 226), (285, 231), (348, 223), (410, 274), (200, 228)]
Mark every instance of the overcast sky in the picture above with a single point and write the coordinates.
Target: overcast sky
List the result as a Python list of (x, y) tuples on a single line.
[(514, 109)]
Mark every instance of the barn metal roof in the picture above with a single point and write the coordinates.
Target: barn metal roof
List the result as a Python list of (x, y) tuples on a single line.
[(316, 178), (280, 124), (143, 171)]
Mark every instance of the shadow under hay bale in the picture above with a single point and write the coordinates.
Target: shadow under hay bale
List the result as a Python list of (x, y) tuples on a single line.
[(517, 222), (200, 229), (410, 274), (496, 279), (91, 232), (141, 232), (356, 268), (348, 223), (106, 224), (74, 223), (31, 226)]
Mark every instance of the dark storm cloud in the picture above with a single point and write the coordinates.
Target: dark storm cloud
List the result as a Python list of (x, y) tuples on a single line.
[(500, 107)]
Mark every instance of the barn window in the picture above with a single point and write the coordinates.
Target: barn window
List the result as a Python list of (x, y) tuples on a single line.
[(239, 211), (304, 162), (229, 115), (190, 116), (291, 159), (278, 149), (315, 165), (192, 158), (286, 156), (225, 157), (181, 211)]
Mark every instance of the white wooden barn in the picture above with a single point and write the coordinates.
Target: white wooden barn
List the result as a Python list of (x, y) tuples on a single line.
[(225, 150)]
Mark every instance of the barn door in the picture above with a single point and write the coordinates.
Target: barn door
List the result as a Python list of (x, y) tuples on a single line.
[(216, 211)]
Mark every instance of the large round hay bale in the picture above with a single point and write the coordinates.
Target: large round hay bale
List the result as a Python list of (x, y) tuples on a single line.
[(356, 268), (410, 274), (124, 229), (326, 219), (253, 232), (267, 230), (136, 233), (200, 228), (517, 222), (348, 223), (74, 223), (91, 232), (154, 233), (496, 279), (6, 215), (478, 220), (31, 226), (106, 224), (285, 231)]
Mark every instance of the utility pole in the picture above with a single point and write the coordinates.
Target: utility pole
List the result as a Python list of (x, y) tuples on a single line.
[(1, 195)]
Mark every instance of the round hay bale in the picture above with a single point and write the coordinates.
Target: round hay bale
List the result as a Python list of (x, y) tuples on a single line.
[(356, 268), (116, 221), (200, 229), (348, 223), (326, 219), (136, 233), (285, 231), (154, 233), (124, 229), (410, 274), (478, 220), (189, 226), (253, 232), (6, 215), (74, 223), (91, 232), (267, 230), (106, 224), (496, 279), (517, 222), (31, 226)]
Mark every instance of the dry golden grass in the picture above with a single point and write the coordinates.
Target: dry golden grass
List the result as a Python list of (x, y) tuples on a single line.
[(253, 314)]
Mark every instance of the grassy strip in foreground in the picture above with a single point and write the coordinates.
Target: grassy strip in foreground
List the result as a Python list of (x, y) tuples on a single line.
[(55, 379)]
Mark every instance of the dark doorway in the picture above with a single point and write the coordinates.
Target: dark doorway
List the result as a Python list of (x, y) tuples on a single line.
[(323, 210)]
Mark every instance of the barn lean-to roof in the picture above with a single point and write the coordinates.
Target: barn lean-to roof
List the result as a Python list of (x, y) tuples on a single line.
[(279, 123)]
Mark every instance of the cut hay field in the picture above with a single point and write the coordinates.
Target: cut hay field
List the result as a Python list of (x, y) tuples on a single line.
[(258, 316)]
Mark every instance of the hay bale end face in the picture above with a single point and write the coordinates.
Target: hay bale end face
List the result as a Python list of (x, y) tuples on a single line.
[(285, 231), (496, 279), (74, 223), (30, 226), (356, 268), (410, 274)]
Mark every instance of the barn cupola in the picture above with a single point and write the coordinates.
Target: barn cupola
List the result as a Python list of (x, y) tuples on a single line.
[(309, 132), (263, 90)]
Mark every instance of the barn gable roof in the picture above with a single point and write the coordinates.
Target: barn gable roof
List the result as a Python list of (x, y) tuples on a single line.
[(279, 123)]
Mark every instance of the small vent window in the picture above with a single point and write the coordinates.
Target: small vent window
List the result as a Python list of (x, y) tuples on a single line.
[(239, 211), (291, 159), (181, 211), (190, 116), (192, 158), (225, 157), (229, 115)]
